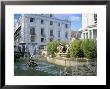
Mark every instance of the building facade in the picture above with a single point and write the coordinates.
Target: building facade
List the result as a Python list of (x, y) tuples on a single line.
[(89, 26), (34, 31), (76, 35)]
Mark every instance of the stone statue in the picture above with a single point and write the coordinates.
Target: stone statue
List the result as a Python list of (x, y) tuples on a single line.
[(67, 48), (60, 48), (64, 49)]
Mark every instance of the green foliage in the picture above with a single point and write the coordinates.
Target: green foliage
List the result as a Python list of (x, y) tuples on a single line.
[(75, 49), (89, 48), (52, 47)]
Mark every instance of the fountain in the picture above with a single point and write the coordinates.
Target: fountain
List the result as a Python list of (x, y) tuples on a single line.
[(31, 50), (45, 68)]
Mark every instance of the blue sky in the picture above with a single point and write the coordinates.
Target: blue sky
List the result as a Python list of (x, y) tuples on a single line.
[(16, 17), (76, 19)]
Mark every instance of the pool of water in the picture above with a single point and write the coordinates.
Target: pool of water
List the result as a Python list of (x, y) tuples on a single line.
[(45, 68)]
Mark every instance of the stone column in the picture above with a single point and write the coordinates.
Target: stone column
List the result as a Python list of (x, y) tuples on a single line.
[(84, 35), (89, 34), (92, 35)]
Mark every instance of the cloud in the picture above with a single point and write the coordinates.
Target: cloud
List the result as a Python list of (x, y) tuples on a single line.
[(15, 20), (60, 16), (74, 18), (80, 29), (70, 17)]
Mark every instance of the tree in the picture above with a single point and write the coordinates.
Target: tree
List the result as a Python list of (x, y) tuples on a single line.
[(89, 48), (52, 47), (75, 49)]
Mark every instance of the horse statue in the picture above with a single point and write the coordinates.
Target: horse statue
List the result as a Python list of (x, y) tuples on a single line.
[(61, 48)]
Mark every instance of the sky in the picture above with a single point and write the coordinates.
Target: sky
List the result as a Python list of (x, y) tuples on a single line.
[(76, 19), (16, 17)]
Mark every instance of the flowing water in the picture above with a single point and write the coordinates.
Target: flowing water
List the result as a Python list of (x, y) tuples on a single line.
[(45, 68)]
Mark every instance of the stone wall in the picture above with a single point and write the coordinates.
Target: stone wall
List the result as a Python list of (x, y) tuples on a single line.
[(64, 61)]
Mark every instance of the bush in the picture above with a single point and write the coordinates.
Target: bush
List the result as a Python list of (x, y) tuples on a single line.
[(52, 47), (89, 48), (75, 49)]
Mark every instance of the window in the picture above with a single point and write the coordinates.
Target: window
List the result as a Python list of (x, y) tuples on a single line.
[(95, 18), (51, 22), (66, 34), (58, 33), (32, 19), (59, 24), (42, 21), (66, 25), (42, 31), (41, 47), (32, 38), (50, 15), (51, 32), (42, 39), (32, 31)]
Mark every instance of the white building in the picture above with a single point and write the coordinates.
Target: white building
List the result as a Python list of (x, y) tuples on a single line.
[(89, 26), (34, 31)]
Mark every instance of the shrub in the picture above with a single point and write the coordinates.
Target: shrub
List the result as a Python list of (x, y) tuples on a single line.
[(75, 49), (89, 48), (52, 47)]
